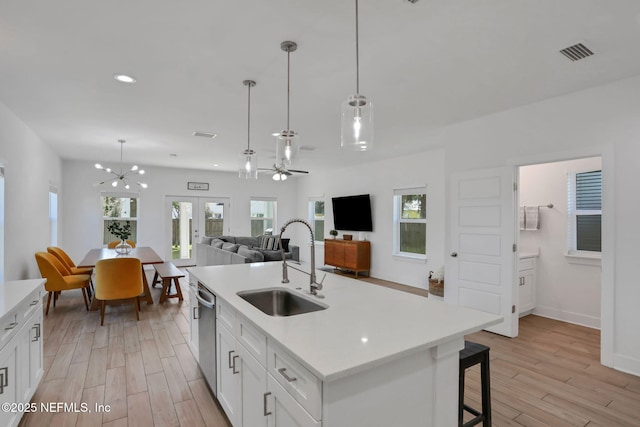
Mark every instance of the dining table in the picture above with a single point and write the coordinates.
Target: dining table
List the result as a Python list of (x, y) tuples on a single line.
[(146, 255)]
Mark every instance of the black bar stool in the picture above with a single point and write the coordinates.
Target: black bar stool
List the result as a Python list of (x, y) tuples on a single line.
[(473, 354)]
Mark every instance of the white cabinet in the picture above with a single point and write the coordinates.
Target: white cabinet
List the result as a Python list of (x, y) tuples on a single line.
[(283, 409), (526, 285), (228, 382), (249, 395), (194, 315), (21, 350)]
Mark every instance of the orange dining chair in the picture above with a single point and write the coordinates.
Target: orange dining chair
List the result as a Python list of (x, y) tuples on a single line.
[(118, 279), (68, 262), (59, 278), (112, 245)]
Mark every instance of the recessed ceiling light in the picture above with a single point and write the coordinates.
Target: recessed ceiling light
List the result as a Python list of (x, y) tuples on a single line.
[(215, 165), (205, 134), (124, 78), (173, 155)]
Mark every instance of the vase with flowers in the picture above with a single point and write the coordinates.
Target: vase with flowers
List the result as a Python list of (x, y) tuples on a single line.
[(122, 232)]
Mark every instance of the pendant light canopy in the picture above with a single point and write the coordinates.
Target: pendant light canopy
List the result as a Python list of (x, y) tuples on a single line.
[(122, 177), (357, 113), (248, 159), (287, 141)]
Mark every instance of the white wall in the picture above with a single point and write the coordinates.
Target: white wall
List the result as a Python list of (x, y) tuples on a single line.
[(80, 205), (379, 180), (30, 167), (566, 290), (598, 121)]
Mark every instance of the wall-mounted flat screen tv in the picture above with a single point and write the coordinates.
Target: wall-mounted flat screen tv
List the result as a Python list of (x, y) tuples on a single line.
[(352, 213)]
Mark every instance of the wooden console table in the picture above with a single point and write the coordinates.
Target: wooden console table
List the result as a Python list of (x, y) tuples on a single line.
[(351, 255)]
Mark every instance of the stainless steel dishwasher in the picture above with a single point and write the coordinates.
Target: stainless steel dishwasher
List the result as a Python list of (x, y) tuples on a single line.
[(207, 335)]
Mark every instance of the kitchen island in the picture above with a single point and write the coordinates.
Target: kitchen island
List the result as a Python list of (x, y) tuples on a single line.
[(374, 356)]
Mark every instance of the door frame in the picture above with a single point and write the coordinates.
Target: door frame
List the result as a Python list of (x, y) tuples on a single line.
[(197, 205), (607, 278)]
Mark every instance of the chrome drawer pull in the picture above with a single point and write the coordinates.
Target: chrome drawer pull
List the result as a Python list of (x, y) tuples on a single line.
[(264, 404), (234, 365), (194, 313), (4, 378), (37, 328), (11, 326), (232, 351), (286, 377), (34, 302)]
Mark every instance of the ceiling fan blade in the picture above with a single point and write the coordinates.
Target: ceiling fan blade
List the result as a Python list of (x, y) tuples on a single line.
[(297, 171)]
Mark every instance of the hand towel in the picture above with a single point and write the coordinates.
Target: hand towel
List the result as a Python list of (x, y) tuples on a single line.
[(521, 215), (531, 218)]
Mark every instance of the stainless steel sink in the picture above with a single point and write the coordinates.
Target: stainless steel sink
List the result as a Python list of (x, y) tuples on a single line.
[(280, 302)]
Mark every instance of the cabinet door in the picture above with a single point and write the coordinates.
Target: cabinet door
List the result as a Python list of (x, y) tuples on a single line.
[(526, 288), (253, 378), (351, 255), (194, 315), (228, 380), (30, 365), (36, 353), (9, 381), (283, 410)]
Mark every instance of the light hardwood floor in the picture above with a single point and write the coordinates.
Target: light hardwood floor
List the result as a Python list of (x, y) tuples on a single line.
[(548, 376)]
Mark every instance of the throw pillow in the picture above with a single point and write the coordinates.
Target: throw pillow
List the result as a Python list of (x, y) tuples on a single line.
[(285, 244), (271, 255), (206, 240), (251, 254), (231, 247), (217, 243)]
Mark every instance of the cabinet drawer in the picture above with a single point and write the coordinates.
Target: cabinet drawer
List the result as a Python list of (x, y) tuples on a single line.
[(32, 303), (9, 325), (226, 315), (527, 264), (252, 339), (303, 386)]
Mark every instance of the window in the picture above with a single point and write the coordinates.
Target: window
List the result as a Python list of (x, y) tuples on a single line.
[(53, 216), (119, 208), (410, 222), (316, 218), (263, 216), (585, 212)]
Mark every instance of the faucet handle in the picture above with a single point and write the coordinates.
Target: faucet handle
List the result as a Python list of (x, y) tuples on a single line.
[(319, 285)]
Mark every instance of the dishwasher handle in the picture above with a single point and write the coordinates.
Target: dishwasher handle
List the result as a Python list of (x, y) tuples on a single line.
[(202, 295)]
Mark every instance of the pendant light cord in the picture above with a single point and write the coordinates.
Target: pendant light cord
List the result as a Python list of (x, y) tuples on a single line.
[(357, 54), (248, 116), (288, 85)]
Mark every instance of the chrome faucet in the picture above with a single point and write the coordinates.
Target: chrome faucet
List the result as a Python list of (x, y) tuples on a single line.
[(314, 286)]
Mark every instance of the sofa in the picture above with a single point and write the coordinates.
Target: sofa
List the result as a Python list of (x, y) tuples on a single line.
[(224, 250)]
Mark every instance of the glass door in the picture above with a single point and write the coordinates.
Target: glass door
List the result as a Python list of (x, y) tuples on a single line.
[(190, 218)]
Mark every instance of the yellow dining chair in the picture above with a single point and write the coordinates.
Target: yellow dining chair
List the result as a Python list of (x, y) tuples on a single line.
[(59, 278), (112, 245), (118, 279), (68, 262)]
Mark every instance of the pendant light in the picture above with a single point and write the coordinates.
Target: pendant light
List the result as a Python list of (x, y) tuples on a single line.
[(248, 158), (357, 113), (121, 177), (287, 144)]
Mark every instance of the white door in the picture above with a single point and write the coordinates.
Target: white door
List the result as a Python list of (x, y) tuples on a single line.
[(480, 269), (190, 218)]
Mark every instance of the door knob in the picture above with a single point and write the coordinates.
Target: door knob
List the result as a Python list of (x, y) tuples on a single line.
[(454, 254)]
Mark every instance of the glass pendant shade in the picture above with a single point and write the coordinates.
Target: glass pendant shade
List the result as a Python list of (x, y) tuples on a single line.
[(248, 165), (357, 124), (287, 146)]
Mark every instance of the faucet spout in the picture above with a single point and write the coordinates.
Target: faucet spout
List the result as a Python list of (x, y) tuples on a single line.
[(313, 284)]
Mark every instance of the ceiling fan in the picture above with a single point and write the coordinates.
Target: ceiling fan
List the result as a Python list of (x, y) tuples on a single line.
[(280, 172)]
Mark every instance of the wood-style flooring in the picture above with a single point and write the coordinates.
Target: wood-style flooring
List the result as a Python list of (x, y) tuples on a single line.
[(548, 376)]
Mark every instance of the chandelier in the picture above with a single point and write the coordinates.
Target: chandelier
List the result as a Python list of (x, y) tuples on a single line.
[(122, 177)]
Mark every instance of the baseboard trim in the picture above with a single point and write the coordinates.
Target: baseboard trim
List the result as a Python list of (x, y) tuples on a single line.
[(565, 316), (626, 364)]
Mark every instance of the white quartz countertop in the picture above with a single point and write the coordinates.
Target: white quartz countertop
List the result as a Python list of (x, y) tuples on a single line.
[(13, 293), (365, 325)]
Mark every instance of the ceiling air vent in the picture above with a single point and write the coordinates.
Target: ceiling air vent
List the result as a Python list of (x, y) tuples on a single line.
[(205, 134), (576, 52)]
